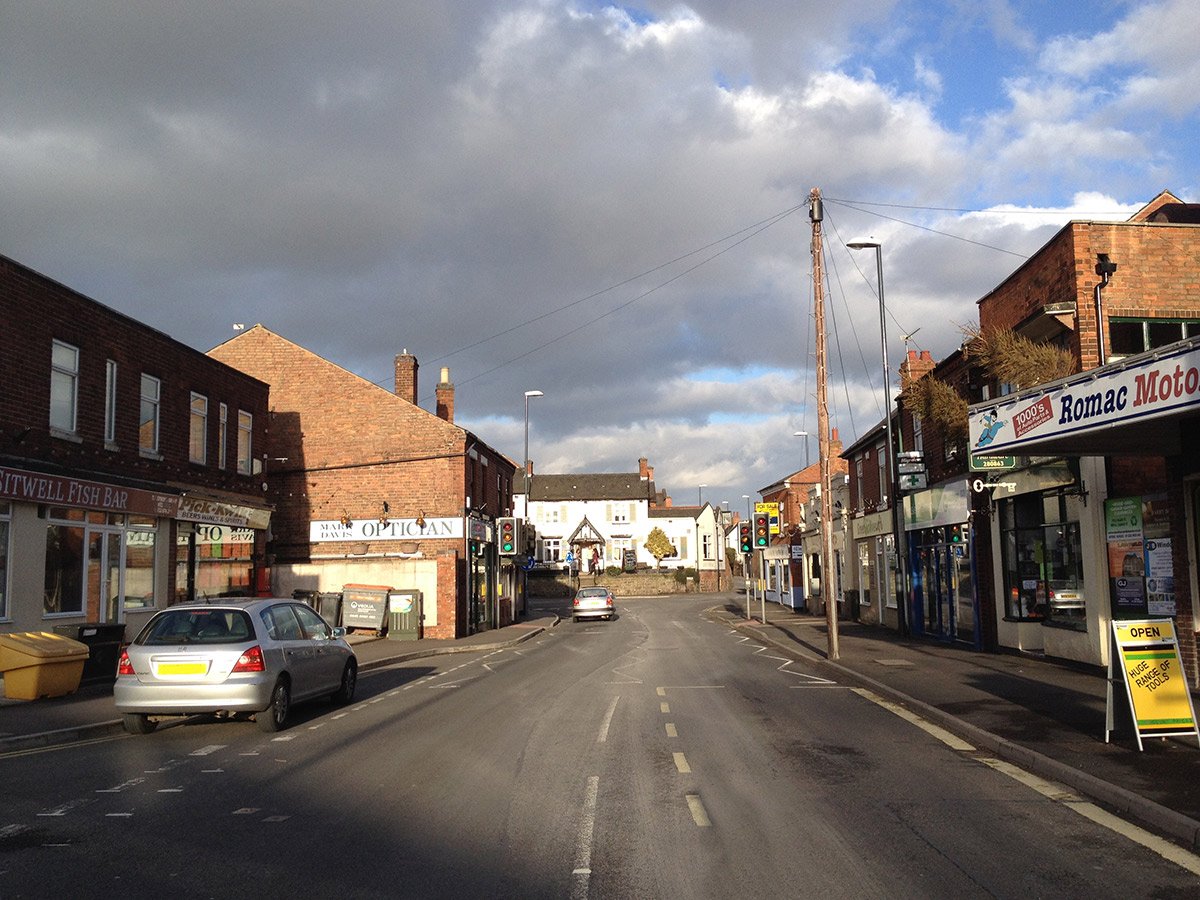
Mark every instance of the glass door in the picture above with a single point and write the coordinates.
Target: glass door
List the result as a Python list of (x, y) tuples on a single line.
[(105, 575)]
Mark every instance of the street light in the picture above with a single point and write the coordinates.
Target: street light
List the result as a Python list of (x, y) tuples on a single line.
[(898, 536), (528, 394), (803, 434)]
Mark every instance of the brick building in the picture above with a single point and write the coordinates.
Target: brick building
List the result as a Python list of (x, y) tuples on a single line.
[(1117, 297), (130, 464), (371, 489)]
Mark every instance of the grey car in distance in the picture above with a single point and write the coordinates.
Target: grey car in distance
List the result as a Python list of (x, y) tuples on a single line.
[(235, 655), (593, 603)]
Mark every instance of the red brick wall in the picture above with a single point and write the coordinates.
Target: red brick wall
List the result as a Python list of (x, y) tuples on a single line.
[(36, 310)]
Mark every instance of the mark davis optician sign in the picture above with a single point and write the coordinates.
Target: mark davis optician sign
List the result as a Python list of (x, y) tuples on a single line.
[(392, 530), (1151, 389)]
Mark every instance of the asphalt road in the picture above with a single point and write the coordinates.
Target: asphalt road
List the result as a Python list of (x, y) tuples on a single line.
[(657, 755)]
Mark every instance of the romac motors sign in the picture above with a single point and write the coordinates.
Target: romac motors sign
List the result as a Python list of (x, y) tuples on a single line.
[(1147, 389)]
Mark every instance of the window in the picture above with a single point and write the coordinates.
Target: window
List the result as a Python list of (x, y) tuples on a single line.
[(198, 429), (110, 402), (65, 558), (860, 485), (223, 436), (245, 426), (1043, 564), (918, 434), (141, 543), (64, 386), (1130, 336), (619, 512), (551, 549), (706, 546), (148, 423), (5, 537), (881, 459)]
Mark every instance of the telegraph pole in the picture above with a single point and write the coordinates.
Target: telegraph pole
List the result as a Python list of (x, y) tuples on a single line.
[(816, 214)]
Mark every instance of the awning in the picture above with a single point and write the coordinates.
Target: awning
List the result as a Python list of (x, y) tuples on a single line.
[(1134, 407)]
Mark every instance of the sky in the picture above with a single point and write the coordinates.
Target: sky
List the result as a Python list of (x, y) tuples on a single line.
[(605, 203)]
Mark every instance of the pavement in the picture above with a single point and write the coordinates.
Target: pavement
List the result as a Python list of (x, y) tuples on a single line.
[(1044, 715)]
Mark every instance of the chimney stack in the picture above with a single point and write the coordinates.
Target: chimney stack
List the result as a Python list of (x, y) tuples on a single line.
[(915, 367), (445, 396), (645, 471), (406, 377)]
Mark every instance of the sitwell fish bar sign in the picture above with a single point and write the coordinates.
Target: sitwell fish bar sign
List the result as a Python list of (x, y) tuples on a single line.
[(1150, 389)]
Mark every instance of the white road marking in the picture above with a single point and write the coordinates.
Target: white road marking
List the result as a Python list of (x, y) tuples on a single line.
[(283, 737), (664, 707), (66, 807), (207, 751), (124, 815), (699, 813), (170, 790), (582, 870), (671, 732), (246, 811), (212, 771), (276, 818), (608, 716), (681, 763), (132, 782), (950, 740), (1061, 794)]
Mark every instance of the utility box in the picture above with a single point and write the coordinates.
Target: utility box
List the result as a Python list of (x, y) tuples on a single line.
[(40, 664), (404, 615), (365, 606), (103, 640)]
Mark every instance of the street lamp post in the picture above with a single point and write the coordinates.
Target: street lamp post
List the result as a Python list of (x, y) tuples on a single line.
[(803, 434), (898, 536), (528, 394)]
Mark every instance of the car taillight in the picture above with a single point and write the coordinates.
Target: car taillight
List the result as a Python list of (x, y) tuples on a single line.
[(124, 666), (576, 603), (251, 661)]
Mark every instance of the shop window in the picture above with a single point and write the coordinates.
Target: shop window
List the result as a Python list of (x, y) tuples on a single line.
[(65, 558), (245, 426), (64, 386), (223, 561), (1130, 336), (5, 553), (148, 421), (198, 430), (141, 542), (1043, 564)]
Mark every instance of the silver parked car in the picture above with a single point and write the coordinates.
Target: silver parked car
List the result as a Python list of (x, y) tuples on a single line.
[(233, 655), (593, 603)]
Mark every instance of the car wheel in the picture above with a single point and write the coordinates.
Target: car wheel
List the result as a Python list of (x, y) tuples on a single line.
[(138, 723), (345, 692), (272, 718)]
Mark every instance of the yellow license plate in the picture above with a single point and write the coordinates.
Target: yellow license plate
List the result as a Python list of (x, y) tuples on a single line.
[(182, 668)]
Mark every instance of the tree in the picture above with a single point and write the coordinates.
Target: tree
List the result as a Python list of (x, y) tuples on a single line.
[(659, 545)]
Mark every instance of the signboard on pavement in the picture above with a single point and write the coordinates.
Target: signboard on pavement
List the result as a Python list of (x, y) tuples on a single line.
[(1155, 683)]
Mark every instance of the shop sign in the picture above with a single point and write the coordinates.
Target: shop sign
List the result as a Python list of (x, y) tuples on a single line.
[(219, 512), (1155, 683), (1153, 389), (992, 463), (450, 528), (56, 490), (772, 510), (1141, 559)]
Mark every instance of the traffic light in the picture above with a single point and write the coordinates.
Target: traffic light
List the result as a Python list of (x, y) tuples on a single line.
[(744, 536), (762, 530), (508, 536)]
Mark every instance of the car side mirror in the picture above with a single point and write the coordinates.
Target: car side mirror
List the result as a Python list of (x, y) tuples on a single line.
[(339, 632)]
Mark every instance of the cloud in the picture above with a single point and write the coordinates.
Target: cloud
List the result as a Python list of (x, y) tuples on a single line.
[(604, 202)]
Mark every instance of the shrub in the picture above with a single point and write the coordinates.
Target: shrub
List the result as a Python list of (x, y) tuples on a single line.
[(613, 571)]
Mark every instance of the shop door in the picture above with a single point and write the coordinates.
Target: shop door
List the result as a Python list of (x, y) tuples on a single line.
[(964, 592), (105, 576)]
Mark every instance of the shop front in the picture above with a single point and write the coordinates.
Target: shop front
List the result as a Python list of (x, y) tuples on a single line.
[(98, 551), (1108, 530), (945, 603), (875, 550)]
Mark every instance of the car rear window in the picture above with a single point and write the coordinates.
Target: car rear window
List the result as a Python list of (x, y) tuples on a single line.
[(593, 592), (197, 626)]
